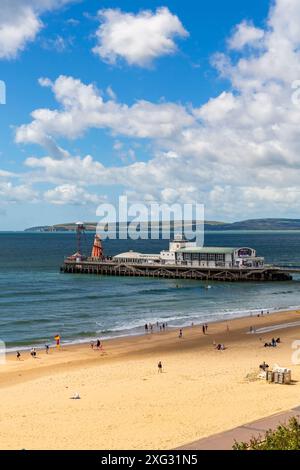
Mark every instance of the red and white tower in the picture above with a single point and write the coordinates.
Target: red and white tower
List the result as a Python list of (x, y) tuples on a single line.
[(97, 251)]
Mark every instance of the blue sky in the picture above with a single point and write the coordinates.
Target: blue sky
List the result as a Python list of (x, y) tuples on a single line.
[(188, 85)]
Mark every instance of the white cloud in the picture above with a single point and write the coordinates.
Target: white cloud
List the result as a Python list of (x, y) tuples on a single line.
[(83, 107), (6, 174), (20, 23), (137, 38), (18, 193), (71, 194), (245, 34)]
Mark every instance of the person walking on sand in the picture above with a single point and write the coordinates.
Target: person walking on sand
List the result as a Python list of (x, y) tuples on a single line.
[(146, 328), (18, 356), (206, 327), (180, 333), (47, 348), (203, 329), (98, 344), (33, 353), (160, 367)]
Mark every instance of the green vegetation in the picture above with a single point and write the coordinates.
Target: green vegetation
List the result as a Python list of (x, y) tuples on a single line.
[(283, 438), (255, 224)]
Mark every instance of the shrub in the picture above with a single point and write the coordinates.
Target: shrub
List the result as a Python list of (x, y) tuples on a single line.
[(285, 437)]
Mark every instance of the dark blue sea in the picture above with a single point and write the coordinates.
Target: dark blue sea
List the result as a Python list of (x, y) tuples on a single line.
[(37, 301)]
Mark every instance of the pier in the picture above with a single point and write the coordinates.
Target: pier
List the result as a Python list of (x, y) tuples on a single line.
[(107, 267), (183, 260)]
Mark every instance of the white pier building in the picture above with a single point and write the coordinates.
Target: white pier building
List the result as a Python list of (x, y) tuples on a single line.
[(184, 253)]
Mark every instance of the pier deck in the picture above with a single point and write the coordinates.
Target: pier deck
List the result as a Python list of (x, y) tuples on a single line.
[(178, 271)]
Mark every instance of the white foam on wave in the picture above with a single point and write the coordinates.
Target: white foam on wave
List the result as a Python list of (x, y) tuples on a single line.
[(282, 326)]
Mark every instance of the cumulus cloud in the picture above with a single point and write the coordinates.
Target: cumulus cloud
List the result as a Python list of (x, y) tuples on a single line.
[(20, 22), (238, 153), (71, 194), (10, 193), (137, 38), (83, 107), (245, 34)]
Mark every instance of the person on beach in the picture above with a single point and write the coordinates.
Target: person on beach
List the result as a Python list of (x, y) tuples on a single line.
[(180, 333), (264, 366), (203, 329), (47, 348), (206, 327), (18, 356), (160, 367), (98, 344), (146, 328), (33, 353), (57, 340)]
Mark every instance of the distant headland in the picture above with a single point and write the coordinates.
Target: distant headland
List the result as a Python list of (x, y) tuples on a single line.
[(251, 224)]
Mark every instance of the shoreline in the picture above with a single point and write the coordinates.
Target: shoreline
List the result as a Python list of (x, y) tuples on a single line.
[(135, 407), (228, 316)]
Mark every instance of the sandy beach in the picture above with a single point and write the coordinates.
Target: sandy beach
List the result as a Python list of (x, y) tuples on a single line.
[(126, 404)]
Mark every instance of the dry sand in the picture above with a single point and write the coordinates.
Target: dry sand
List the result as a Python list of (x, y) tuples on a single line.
[(126, 404)]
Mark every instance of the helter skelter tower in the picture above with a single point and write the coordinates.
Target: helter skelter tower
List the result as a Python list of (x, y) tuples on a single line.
[(97, 251)]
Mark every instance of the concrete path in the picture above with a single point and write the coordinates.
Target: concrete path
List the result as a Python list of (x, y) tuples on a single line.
[(225, 440)]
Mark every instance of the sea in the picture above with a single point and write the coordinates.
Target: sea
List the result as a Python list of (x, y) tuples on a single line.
[(37, 301)]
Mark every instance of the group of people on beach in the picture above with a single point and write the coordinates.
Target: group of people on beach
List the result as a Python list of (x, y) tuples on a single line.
[(273, 344), (149, 327), (96, 345), (33, 352)]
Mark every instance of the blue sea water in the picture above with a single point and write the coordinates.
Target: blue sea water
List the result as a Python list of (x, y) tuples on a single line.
[(37, 301)]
